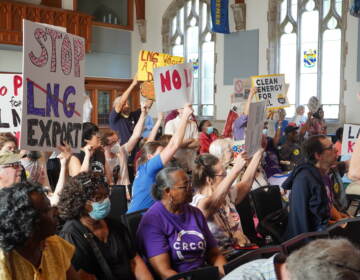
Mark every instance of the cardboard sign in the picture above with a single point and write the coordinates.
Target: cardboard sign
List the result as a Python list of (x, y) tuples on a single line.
[(150, 60), (241, 90), (350, 135), (53, 72), (272, 89), (11, 93), (255, 127), (173, 86), (313, 104)]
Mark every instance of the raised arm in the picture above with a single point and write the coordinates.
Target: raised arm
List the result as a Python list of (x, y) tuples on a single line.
[(211, 204), (177, 138), (119, 101), (244, 186), (131, 143), (250, 98), (155, 128), (354, 169), (75, 166)]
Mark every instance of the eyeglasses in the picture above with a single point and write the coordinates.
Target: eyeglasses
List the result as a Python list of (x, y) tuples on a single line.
[(187, 185), (331, 147), (15, 165)]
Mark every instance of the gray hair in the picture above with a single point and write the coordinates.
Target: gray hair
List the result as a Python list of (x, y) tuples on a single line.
[(163, 181), (325, 259), (218, 147)]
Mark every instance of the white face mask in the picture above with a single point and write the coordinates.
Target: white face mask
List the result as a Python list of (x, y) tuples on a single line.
[(115, 148)]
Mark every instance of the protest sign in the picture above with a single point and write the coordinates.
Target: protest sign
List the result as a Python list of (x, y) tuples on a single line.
[(53, 95), (272, 89), (173, 86), (10, 102), (255, 127), (150, 60), (241, 90), (350, 135)]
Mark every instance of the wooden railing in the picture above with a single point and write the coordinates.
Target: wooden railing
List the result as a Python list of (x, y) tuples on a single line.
[(12, 14)]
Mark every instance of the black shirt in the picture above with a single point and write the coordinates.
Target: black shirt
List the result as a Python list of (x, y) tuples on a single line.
[(118, 251), (97, 160)]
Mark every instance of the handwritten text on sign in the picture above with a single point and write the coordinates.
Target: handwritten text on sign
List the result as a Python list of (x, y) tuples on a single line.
[(173, 86), (271, 88), (10, 102), (350, 135), (150, 60), (53, 88)]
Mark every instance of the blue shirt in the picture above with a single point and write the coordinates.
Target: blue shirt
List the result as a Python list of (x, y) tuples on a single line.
[(148, 125), (145, 178)]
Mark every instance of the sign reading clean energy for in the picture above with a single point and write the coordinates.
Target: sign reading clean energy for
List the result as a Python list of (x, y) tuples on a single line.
[(272, 89), (173, 86), (53, 73)]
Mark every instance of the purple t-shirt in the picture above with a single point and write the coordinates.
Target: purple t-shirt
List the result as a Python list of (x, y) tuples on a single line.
[(239, 127), (185, 237)]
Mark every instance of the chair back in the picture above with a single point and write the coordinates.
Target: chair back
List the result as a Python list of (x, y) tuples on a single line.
[(246, 214), (347, 228), (118, 203), (266, 200), (301, 240), (132, 221), (260, 253), (207, 273)]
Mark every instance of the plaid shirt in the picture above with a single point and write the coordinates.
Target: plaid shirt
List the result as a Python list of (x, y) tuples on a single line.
[(261, 269)]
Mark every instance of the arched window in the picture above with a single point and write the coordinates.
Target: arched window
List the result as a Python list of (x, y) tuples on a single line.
[(307, 39), (186, 31)]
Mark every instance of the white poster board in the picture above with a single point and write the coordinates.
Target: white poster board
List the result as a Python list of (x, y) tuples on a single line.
[(255, 127), (53, 72), (11, 92), (350, 135), (173, 86), (272, 89)]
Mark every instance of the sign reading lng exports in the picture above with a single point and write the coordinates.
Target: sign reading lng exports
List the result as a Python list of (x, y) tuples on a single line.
[(255, 127), (271, 88), (10, 102), (53, 72), (173, 86), (150, 60), (350, 135)]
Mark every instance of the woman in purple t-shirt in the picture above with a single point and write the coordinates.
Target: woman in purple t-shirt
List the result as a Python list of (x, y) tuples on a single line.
[(173, 236)]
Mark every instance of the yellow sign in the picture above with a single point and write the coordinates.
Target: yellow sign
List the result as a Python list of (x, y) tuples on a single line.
[(150, 60)]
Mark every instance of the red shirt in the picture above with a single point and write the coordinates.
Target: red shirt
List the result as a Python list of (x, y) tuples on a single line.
[(205, 140)]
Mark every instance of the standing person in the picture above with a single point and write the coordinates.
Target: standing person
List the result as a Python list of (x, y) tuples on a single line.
[(28, 247), (300, 118), (123, 121), (173, 235), (206, 136), (153, 158), (317, 124), (281, 124), (188, 151), (8, 142), (311, 198), (84, 205), (10, 169)]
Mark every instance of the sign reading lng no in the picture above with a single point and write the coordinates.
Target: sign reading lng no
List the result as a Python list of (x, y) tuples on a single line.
[(350, 135), (10, 102), (272, 89), (53, 95), (173, 86)]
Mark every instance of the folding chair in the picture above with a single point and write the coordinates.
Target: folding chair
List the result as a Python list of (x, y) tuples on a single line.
[(347, 228), (132, 221)]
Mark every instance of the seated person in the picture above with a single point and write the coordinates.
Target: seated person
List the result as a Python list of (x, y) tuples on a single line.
[(216, 197), (290, 152), (173, 236), (28, 247), (84, 204), (322, 259)]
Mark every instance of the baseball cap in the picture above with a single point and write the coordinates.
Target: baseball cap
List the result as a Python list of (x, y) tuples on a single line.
[(290, 128), (9, 157)]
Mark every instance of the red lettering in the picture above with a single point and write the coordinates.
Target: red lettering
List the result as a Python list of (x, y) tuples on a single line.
[(54, 35), (165, 81), (3, 91), (350, 146), (176, 79), (149, 56), (188, 77), (17, 84)]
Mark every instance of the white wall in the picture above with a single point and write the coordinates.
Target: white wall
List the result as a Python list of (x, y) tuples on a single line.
[(256, 18)]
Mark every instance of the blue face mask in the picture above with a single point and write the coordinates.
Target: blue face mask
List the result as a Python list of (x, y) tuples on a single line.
[(100, 209), (209, 130)]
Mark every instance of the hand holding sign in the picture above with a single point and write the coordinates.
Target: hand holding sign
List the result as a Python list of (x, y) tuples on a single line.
[(188, 110)]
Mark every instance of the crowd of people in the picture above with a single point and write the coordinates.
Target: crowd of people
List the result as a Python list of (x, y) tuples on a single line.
[(187, 183)]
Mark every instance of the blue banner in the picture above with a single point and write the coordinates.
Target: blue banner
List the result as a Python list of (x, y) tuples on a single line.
[(355, 8), (220, 16)]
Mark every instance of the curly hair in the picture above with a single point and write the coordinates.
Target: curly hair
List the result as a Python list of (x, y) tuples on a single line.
[(18, 217), (7, 137), (76, 192)]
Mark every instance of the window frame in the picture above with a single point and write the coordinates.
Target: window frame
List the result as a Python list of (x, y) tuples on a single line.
[(274, 36), (172, 11)]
